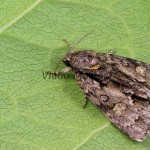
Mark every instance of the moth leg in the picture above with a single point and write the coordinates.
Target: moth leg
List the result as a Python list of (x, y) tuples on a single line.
[(65, 70), (85, 102)]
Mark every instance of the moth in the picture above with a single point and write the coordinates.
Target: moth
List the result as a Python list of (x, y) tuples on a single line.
[(118, 86)]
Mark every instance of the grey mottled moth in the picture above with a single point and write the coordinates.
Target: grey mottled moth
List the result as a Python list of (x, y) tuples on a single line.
[(119, 86)]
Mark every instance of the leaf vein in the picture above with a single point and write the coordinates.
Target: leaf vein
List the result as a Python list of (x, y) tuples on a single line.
[(20, 16)]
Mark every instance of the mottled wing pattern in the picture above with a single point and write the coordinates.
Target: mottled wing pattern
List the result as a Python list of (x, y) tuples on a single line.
[(121, 89)]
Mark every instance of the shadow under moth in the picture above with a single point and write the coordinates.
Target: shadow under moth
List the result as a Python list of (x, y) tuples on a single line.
[(118, 86)]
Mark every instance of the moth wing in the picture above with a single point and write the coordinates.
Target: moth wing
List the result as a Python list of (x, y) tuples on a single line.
[(131, 116)]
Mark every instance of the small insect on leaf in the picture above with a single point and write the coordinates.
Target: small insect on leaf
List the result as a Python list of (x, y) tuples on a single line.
[(118, 86)]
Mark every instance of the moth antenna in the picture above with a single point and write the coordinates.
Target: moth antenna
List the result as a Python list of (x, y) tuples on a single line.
[(72, 47), (57, 65), (68, 44), (82, 39)]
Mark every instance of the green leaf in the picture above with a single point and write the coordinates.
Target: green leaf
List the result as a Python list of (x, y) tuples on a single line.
[(43, 114)]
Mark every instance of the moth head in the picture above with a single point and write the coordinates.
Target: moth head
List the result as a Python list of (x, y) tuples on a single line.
[(82, 60), (67, 58)]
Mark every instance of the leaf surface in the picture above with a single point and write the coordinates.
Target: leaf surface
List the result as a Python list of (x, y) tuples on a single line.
[(43, 114)]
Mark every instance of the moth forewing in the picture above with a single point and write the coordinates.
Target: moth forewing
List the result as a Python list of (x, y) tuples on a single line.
[(119, 86)]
